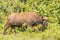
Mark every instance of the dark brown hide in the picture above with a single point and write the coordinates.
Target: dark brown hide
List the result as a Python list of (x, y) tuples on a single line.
[(17, 19)]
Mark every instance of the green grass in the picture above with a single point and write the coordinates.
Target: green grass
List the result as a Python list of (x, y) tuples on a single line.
[(21, 36), (51, 33), (50, 8)]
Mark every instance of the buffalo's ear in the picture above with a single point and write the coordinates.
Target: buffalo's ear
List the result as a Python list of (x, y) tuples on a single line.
[(42, 17)]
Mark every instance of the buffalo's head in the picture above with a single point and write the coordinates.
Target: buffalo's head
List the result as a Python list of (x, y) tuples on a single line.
[(44, 21)]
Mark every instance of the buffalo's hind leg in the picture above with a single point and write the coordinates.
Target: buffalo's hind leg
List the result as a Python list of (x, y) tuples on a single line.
[(13, 29), (5, 28)]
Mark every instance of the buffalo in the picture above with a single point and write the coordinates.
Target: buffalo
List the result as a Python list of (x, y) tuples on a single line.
[(30, 18)]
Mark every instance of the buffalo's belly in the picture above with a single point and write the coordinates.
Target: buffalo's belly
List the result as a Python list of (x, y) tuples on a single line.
[(19, 23)]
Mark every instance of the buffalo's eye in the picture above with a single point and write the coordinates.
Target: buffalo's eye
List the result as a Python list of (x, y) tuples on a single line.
[(43, 20)]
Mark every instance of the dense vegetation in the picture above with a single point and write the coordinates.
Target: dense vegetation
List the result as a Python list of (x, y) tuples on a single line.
[(50, 8)]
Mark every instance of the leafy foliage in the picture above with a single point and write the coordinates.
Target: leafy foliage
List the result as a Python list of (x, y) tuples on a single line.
[(50, 8)]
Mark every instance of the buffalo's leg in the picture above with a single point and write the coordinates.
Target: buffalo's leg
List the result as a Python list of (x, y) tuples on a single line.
[(28, 26), (35, 28), (12, 29), (5, 28)]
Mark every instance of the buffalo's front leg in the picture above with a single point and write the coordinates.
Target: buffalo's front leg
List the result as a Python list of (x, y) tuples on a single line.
[(35, 28)]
